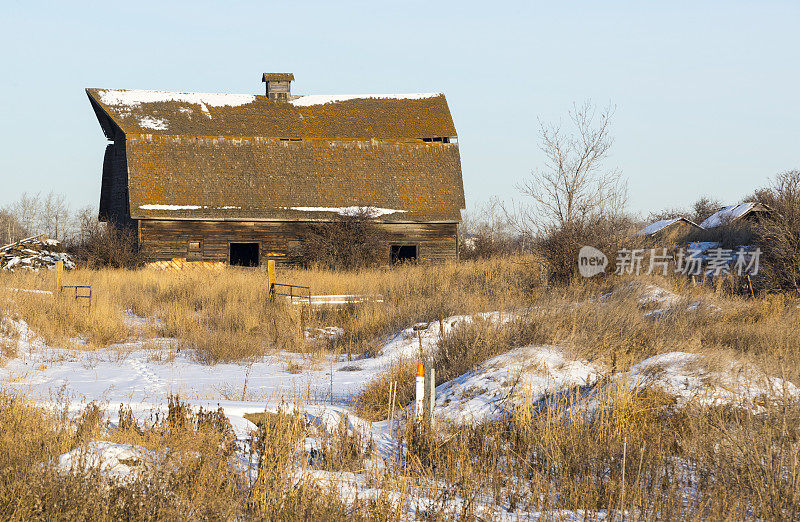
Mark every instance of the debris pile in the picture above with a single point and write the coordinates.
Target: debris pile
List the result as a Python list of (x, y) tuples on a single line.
[(179, 263), (34, 253)]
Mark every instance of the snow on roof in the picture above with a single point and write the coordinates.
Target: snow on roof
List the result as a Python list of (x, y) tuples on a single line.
[(152, 123), (350, 211), (655, 227), (727, 214), (185, 207), (134, 98), (170, 207), (321, 99)]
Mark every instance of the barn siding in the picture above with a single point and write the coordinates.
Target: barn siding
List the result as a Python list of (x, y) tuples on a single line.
[(163, 240)]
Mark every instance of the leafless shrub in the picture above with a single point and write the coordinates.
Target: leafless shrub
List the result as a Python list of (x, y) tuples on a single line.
[(779, 234), (104, 244), (488, 231), (697, 212), (351, 241)]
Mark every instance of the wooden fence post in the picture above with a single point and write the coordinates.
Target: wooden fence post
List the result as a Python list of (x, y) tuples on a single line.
[(59, 275), (271, 272)]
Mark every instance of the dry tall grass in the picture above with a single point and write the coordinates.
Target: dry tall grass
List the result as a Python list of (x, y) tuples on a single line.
[(694, 462), (635, 453), (228, 317)]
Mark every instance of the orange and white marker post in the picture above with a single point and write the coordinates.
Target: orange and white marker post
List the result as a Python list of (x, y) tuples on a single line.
[(425, 393), (420, 395)]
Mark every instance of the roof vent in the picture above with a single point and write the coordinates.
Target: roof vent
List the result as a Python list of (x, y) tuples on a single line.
[(279, 85)]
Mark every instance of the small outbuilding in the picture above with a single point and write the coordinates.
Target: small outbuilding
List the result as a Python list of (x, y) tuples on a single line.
[(673, 226), (750, 212), (240, 178)]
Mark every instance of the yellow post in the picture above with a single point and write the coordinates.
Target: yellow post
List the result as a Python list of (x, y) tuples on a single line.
[(59, 275), (271, 271)]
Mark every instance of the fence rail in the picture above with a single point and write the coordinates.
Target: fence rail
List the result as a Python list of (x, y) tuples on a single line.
[(80, 292), (273, 291)]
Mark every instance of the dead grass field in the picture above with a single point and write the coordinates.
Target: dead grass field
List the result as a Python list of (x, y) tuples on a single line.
[(689, 463), (693, 462), (228, 317)]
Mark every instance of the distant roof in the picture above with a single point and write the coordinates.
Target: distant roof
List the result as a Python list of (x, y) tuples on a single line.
[(277, 77), (246, 157), (658, 226), (732, 213)]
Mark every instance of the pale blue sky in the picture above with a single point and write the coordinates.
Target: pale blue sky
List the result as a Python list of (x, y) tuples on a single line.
[(707, 93)]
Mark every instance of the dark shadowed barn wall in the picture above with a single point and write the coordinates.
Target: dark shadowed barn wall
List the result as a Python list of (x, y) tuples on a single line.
[(163, 239)]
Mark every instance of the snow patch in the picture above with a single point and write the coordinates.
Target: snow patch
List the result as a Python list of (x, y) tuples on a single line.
[(135, 98), (655, 227), (170, 207), (350, 211), (689, 377), (149, 122), (119, 461), (186, 207), (726, 215), (321, 99), (528, 373)]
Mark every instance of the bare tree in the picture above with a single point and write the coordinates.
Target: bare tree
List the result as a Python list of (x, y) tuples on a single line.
[(10, 228), (54, 216), (573, 186), (27, 210)]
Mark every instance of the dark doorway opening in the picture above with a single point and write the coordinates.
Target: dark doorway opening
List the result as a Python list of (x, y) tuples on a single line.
[(244, 254), (403, 253)]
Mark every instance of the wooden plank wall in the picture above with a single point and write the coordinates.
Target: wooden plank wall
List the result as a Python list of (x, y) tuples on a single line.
[(164, 240)]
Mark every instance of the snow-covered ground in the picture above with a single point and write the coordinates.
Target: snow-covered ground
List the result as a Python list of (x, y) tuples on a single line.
[(143, 372)]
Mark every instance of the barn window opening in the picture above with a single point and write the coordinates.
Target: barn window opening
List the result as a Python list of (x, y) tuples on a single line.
[(244, 254), (194, 251), (403, 253), (444, 139)]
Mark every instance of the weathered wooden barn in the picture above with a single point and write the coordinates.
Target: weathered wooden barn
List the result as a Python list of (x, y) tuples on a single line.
[(239, 178)]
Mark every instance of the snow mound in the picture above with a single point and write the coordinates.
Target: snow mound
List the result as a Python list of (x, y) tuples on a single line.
[(691, 377), (119, 461), (529, 373), (651, 294), (533, 374)]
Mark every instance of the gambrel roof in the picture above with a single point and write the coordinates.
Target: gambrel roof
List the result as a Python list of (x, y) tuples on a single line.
[(246, 157)]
